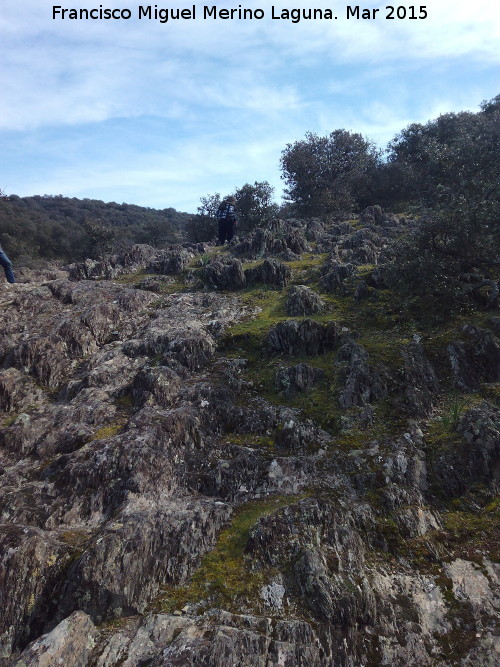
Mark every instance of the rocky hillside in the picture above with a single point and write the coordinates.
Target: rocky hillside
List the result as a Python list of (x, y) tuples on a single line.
[(248, 456)]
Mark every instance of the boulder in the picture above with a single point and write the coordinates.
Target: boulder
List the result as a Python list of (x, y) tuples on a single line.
[(475, 360), (302, 301), (224, 274), (270, 272), (335, 273), (70, 644), (296, 379), (420, 382), (293, 337), (170, 262)]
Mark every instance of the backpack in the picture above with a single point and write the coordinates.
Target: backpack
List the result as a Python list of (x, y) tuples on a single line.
[(224, 211)]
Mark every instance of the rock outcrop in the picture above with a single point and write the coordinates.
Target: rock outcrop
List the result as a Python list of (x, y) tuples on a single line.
[(225, 475)]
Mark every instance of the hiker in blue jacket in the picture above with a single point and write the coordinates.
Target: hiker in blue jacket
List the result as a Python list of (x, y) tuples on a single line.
[(226, 215), (7, 266)]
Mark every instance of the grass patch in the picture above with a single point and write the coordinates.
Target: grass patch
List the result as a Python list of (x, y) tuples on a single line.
[(108, 431), (10, 420), (251, 440), (474, 534)]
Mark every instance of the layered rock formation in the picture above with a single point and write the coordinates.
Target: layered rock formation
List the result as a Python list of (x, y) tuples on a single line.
[(188, 476)]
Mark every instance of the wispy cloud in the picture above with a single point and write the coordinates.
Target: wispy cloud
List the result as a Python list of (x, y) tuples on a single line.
[(153, 113)]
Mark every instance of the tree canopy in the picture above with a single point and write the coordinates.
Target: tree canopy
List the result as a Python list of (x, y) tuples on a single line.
[(48, 228), (335, 172)]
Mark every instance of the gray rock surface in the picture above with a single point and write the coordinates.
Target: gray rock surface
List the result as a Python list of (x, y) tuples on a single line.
[(70, 644), (269, 272), (173, 493), (293, 337), (302, 300), (299, 378)]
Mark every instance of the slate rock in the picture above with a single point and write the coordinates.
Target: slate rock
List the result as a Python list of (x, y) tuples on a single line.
[(70, 644), (335, 273), (224, 274), (302, 301), (293, 337), (270, 272), (295, 379), (420, 382)]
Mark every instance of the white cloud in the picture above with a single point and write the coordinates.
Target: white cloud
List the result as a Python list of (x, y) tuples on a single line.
[(227, 96)]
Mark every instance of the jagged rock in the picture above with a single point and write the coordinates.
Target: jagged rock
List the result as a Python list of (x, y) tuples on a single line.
[(376, 215), (239, 472), (193, 352), (275, 240), (25, 275), (361, 238), (31, 565), (134, 258), (17, 391), (465, 374), (90, 269), (360, 418), (355, 377), (292, 337), (377, 278), (120, 477), (372, 214), (137, 256), (196, 248), (154, 284), (293, 379), (70, 644), (224, 274), (315, 229), (456, 468), (224, 640), (420, 380), (159, 385), (303, 300), (289, 256), (494, 323), (472, 583), (476, 361), (148, 545), (362, 291), (170, 262), (485, 291), (361, 384), (295, 436), (231, 371), (270, 272), (335, 273)]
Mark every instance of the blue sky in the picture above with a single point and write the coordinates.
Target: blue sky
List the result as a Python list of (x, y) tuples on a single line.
[(161, 114)]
